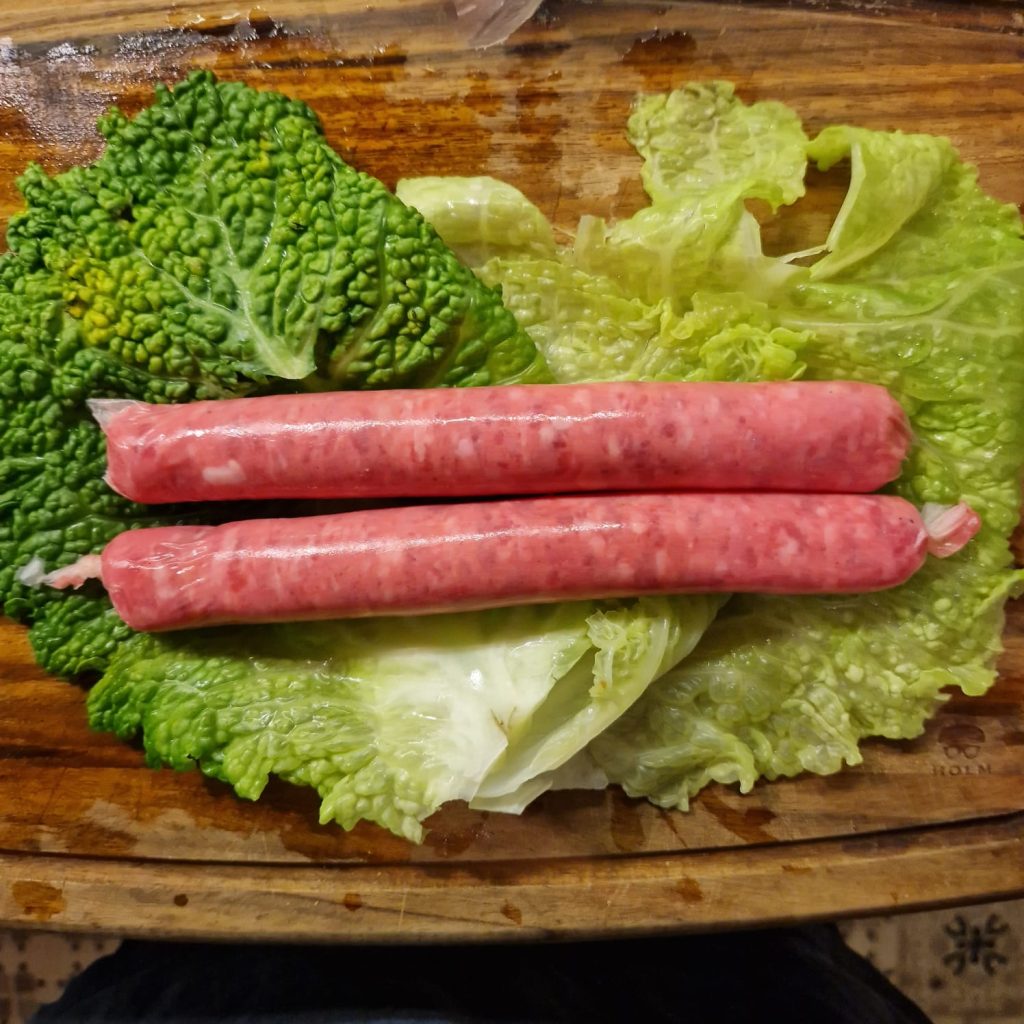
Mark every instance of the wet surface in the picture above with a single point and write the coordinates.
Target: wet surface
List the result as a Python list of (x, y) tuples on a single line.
[(402, 96)]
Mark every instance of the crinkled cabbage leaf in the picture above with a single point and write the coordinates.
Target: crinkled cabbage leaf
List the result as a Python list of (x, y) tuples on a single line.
[(390, 718), (919, 286)]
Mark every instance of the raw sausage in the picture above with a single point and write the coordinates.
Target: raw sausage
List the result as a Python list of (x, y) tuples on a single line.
[(465, 556), (838, 436), (475, 555), (783, 436)]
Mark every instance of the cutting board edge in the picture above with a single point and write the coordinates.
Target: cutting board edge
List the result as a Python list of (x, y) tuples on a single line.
[(500, 901)]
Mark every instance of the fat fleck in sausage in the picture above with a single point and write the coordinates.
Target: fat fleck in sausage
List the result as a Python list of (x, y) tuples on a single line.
[(475, 555), (840, 437)]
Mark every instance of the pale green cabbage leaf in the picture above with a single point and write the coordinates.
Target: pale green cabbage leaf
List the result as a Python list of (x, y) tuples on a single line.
[(705, 154), (388, 719), (480, 217), (920, 288)]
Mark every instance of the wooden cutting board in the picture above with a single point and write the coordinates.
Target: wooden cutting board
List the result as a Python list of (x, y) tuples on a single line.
[(91, 839)]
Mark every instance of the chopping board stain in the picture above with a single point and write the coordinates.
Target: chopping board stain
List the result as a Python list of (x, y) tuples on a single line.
[(38, 901), (480, 96), (287, 817), (455, 841), (539, 123), (673, 820), (512, 912), (747, 823), (689, 889), (843, 781), (626, 822), (552, 48), (94, 836), (660, 57), (352, 901), (283, 827)]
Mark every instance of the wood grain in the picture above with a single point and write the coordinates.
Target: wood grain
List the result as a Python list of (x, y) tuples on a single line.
[(543, 899), (93, 839)]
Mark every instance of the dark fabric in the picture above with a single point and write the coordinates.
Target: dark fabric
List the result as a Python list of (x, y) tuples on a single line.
[(799, 975)]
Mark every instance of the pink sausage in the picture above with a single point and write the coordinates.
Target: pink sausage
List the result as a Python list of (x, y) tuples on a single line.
[(790, 436), (465, 556)]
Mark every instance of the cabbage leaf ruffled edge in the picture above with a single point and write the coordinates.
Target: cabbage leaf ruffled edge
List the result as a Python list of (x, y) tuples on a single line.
[(918, 286), (388, 719)]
